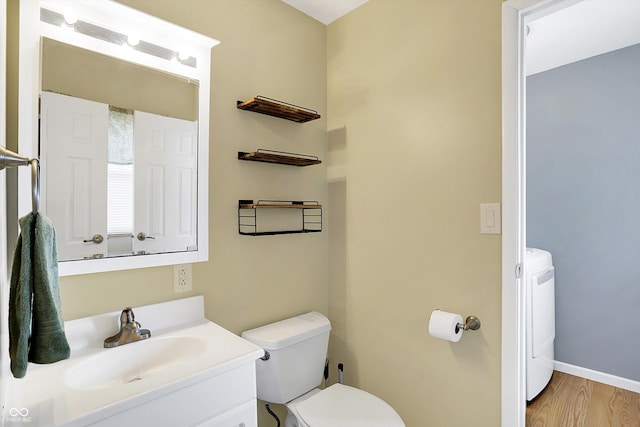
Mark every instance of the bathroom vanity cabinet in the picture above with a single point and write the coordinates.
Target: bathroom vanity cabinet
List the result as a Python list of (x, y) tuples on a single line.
[(225, 400), (190, 372)]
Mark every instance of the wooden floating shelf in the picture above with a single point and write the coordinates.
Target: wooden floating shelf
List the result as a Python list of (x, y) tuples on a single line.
[(283, 110), (279, 157)]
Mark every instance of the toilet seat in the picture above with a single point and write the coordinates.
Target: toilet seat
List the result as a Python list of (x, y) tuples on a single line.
[(344, 406)]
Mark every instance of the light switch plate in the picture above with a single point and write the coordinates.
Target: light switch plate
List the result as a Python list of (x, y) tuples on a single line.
[(490, 218)]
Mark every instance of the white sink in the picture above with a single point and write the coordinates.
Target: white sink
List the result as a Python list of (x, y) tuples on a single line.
[(133, 362), (138, 383)]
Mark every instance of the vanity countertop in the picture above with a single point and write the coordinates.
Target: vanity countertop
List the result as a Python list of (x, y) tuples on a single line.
[(95, 383)]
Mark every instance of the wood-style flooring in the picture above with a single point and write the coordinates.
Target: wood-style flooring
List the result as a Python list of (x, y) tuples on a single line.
[(570, 401)]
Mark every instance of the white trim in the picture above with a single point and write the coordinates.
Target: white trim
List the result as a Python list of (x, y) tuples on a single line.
[(513, 325), (4, 282), (70, 268), (515, 15), (601, 377), (28, 89), (163, 33)]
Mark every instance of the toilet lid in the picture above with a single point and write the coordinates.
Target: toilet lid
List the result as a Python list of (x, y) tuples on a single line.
[(344, 406)]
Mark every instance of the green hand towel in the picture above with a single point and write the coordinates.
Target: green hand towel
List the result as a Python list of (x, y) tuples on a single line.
[(20, 299), (35, 298)]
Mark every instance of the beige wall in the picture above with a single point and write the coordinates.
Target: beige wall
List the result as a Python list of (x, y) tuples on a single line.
[(270, 49), (412, 92), (73, 71), (267, 48), (414, 124)]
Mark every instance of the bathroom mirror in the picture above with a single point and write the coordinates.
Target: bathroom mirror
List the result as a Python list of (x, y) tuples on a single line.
[(118, 158), (102, 70)]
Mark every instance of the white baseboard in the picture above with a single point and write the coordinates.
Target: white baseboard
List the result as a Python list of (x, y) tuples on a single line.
[(600, 377)]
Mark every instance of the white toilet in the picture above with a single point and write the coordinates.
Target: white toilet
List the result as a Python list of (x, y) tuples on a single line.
[(296, 351)]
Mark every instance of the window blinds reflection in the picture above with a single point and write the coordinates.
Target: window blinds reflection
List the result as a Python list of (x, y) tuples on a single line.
[(120, 176)]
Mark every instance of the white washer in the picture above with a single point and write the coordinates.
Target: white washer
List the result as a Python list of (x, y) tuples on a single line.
[(541, 319)]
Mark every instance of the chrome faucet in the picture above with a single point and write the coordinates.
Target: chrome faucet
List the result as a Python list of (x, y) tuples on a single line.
[(130, 331)]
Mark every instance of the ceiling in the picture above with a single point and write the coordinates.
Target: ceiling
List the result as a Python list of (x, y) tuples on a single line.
[(586, 29), (325, 11)]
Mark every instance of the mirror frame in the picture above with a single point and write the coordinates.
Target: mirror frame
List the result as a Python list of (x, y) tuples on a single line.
[(125, 20)]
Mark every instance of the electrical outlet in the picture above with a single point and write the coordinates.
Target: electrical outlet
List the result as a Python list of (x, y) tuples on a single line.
[(182, 278)]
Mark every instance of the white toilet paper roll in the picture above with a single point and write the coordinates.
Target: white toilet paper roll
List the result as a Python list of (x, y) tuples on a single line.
[(443, 325)]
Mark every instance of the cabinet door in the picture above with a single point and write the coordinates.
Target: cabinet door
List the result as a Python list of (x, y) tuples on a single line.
[(224, 400), (242, 416), (165, 183), (73, 136)]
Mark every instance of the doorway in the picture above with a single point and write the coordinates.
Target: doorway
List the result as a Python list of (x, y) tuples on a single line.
[(517, 15)]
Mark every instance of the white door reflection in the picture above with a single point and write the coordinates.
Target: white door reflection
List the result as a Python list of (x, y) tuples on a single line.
[(125, 181)]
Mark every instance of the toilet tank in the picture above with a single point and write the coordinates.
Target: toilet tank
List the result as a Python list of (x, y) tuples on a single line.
[(297, 350)]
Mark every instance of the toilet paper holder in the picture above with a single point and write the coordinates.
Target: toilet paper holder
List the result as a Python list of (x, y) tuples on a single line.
[(470, 323)]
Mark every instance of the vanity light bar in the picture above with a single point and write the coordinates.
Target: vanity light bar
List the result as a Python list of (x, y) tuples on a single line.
[(97, 32)]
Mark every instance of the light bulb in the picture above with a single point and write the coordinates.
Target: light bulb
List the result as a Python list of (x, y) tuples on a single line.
[(133, 40), (70, 17)]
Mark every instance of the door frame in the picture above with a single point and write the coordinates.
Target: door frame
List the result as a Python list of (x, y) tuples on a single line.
[(515, 16), (4, 282)]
